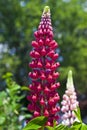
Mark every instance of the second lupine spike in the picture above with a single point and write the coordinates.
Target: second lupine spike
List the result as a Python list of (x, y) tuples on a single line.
[(43, 95), (69, 103)]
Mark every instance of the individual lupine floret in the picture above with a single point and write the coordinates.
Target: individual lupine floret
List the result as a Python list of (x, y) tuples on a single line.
[(43, 96), (69, 102)]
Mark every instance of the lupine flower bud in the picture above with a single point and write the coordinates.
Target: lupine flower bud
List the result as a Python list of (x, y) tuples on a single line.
[(36, 113), (46, 113), (69, 102), (43, 96)]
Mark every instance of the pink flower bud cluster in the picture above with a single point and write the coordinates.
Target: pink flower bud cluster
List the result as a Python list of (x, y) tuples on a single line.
[(69, 102), (43, 95)]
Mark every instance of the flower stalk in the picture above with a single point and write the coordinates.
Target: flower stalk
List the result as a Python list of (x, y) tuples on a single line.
[(43, 96)]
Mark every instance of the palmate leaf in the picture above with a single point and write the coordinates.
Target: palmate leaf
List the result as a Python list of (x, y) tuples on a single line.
[(36, 123), (58, 127), (76, 126), (61, 127)]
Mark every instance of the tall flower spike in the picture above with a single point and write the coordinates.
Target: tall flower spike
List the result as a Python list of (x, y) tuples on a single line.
[(69, 102), (43, 96)]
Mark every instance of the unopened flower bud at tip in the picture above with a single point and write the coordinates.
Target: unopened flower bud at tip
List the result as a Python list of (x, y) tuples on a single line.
[(70, 80), (46, 9)]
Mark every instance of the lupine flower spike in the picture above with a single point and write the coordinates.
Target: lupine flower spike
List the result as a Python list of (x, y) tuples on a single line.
[(43, 95), (69, 102)]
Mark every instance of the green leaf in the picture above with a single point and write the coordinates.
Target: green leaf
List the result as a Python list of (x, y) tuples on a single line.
[(25, 88), (15, 87), (24, 109), (7, 75), (16, 112), (54, 123), (19, 98), (76, 126), (83, 127), (61, 127), (78, 114), (2, 120), (27, 115), (49, 128), (36, 123), (2, 97), (76, 123)]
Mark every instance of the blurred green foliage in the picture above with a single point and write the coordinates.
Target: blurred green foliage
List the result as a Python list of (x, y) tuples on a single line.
[(10, 106), (20, 18), (12, 111)]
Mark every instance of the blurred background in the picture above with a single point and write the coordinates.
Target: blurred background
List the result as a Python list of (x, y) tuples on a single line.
[(18, 21)]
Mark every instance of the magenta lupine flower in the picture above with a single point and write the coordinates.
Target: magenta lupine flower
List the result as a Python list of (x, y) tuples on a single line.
[(43, 96), (69, 102)]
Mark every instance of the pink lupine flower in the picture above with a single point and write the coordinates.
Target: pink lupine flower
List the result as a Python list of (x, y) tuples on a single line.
[(43, 96), (69, 102)]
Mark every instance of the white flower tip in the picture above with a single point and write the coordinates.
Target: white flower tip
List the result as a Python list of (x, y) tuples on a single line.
[(70, 80), (70, 72)]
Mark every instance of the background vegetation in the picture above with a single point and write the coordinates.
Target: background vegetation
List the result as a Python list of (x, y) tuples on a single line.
[(20, 18)]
